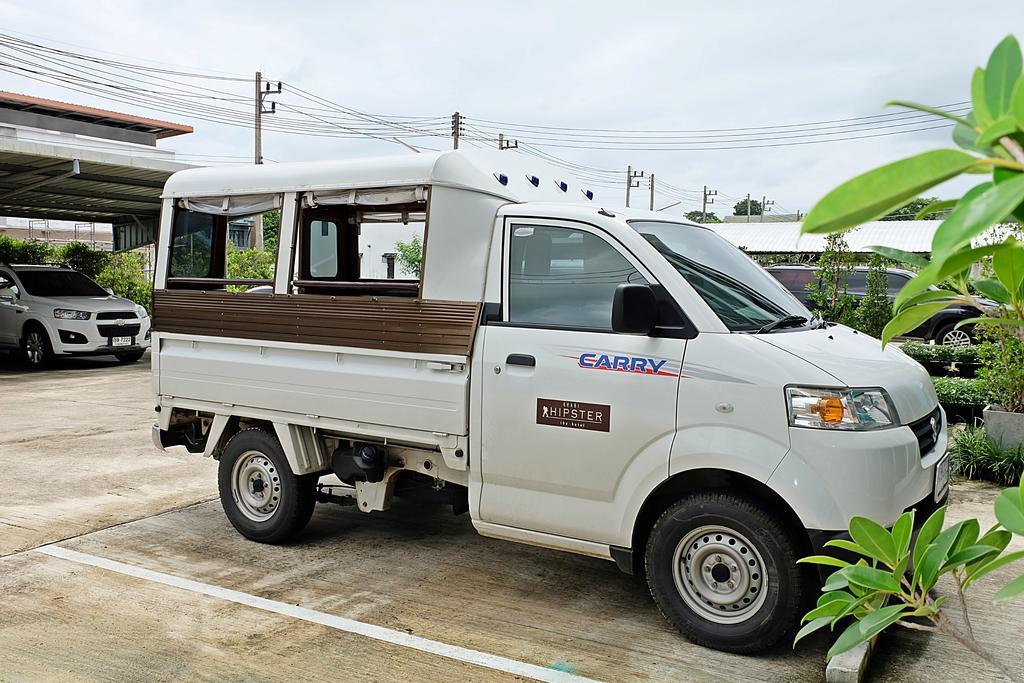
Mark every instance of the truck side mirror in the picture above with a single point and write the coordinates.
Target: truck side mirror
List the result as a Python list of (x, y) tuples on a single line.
[(634, 309)]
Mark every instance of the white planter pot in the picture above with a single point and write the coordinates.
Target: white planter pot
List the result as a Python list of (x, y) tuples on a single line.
[(1006, 429)]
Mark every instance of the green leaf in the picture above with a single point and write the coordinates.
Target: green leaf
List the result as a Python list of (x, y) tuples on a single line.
[(865, 629), (1002, 126), (968, 536), (873, 579), (1009, 267), (993, 289), (941, 269), (988, 320), (909, 318), (968, 555), (929, 295), (992, 565), (873, 537), (980, 208), (1001, 74), (829, 609), (1010, 511), (978, 101), (1017, 103), (1001, 175), (929, 530), (1010, 590), (907, 257), (873, 194), (826, 560), (844, 544), (935, 556), (836, 581), (928, 110), (810, 628), (935, 207), (834, 596), (901, 533)]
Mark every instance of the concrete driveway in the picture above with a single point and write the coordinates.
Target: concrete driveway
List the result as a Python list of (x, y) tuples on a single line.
[(117, 563)]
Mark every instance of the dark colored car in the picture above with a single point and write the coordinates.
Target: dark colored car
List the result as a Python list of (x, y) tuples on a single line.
[(940, 328)]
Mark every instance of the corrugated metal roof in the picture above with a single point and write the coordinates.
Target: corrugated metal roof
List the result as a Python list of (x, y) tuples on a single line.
[(161, 129), (774, 238)]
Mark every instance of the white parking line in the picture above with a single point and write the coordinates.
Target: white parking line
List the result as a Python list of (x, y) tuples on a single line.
[(387, 635)]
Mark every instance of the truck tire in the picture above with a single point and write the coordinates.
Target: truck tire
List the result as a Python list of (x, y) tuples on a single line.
[(261, 497), (723, 571)]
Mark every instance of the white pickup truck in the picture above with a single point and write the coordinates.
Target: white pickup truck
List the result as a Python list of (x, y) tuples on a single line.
[(614, 383)]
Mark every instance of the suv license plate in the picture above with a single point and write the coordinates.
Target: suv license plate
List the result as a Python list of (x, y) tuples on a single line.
[(941, 478), (121, 341)]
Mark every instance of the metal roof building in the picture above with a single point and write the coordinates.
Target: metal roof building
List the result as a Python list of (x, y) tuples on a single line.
[(785, 238), (69, 162)]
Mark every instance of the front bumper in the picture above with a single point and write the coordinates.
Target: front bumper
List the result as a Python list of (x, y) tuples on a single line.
[(829, 477), (95, 337)]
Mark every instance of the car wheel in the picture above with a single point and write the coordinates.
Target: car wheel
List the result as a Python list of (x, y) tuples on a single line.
[(948, 335), (36, 347), (132, 357), (261, 497), (723, 571)]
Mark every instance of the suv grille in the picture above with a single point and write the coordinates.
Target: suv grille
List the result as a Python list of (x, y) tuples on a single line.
[(116, 315), (119, 331), (924, 431)]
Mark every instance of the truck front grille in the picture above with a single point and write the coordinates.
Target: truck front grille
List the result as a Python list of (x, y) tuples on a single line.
[(927, 430)]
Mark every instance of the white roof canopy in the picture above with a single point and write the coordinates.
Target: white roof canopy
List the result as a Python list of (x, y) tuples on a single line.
[(776, 238)]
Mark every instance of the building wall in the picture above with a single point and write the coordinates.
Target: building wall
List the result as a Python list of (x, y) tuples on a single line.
[(98, 235), (378, 239)]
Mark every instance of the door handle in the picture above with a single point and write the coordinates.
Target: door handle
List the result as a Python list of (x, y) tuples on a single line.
[(524, 359)]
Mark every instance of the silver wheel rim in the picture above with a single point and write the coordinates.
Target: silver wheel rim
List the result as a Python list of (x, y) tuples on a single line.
[(957, 338), (719, 574), (35, 347), (256, 486)]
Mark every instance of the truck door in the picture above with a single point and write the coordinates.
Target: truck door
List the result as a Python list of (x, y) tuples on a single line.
[(575, 416)]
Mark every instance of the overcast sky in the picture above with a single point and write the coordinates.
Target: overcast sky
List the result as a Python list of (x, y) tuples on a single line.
[(671, 65)]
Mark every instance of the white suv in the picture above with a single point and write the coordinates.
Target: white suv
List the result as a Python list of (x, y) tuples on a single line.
[(48, 311)]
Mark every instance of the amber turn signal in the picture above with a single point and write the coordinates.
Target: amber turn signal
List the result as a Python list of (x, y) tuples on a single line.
[(831, 409)]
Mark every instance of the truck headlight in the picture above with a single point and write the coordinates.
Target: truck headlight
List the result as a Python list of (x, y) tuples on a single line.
[(70, 314), (844, 409)]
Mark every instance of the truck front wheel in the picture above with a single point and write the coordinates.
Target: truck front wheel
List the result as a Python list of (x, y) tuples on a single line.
[(261, 497), (723, 571)]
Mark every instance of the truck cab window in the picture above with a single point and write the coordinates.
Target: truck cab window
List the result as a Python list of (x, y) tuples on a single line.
[(564, 277), (323, 249), (192, 244)]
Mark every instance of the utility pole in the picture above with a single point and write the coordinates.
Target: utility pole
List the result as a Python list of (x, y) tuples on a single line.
[(262, 90), (456, 129), (748, 207), (632, 180), (652, 192), (504, 144), (709, 198), (765, 206)]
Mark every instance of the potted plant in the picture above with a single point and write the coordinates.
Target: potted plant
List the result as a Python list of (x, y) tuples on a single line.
[(1002, 372)]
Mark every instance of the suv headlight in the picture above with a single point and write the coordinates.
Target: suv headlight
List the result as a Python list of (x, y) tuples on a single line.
[(141, 312), (844, 409), (70, 314)]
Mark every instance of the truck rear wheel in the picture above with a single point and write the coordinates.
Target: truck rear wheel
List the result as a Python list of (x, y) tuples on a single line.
[(261, 497), (723, 571)]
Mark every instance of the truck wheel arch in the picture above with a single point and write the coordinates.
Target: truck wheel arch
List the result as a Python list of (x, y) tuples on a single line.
[(299, 443), (705, 479)]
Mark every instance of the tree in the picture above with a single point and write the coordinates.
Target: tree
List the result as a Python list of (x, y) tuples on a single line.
[(410, 255), (708, 217), (83, 258), (249, 264), (125, 275), (910, 211), (829, 295), (741, 208), (875, 309), (271, 229)]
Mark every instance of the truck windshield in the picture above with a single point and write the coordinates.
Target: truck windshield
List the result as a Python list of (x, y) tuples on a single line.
[(741, 293), (59, 283)]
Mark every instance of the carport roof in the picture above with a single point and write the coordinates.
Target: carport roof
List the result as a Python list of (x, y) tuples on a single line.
[(76, 183)]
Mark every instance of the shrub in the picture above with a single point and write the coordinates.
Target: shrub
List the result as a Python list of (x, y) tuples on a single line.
[(960, 391), (1002, 358), (975, 455), (939, 353), (829, 295), (875, 309), (82, 257), (18, 251), (125, 275), (410, 255)]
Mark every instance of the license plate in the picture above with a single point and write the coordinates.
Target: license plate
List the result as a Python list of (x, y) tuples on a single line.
[(121, 341), (941, 478)]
